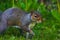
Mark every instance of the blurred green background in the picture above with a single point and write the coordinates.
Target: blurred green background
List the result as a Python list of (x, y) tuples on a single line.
[(49, 29)]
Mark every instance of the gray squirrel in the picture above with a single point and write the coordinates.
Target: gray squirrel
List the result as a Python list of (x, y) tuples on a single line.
[(18, 17)]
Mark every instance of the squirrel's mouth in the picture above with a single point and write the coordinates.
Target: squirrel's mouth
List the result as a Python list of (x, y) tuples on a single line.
[(39, 21)]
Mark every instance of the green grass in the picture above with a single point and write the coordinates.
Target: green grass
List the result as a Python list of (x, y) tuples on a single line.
[(49, 29)]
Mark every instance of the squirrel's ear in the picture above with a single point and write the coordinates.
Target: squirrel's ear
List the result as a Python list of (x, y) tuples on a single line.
[(31, 12)]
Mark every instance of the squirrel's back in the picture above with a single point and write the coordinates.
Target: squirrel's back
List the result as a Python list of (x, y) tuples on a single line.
[(15, 11), (13, 15)]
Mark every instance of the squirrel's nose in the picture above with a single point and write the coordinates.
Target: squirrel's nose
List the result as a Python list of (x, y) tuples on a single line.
[(39, 20)]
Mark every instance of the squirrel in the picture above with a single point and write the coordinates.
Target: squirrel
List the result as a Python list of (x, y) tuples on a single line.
[(18, 17)]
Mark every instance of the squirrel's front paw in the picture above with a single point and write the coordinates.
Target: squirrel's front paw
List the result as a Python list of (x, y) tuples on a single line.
[(32, 33)]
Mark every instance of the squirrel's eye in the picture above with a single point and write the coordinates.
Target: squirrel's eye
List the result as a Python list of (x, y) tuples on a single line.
[(35, 16)]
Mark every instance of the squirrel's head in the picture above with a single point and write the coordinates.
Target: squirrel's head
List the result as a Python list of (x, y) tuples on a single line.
[(35, 16)]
